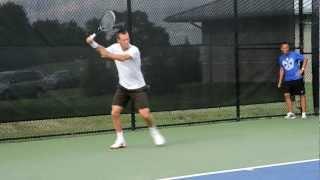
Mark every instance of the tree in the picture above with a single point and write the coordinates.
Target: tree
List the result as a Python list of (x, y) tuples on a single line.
[(15, 28), (54, 33), (146, 34)]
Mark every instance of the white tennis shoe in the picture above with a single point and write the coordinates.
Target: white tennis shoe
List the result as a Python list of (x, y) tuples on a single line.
[(304, 115), (119, 143), (158, 139), (290, 115)]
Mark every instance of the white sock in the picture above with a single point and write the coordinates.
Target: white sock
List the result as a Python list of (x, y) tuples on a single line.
[(120, 135), (304, 113), (289, 113), (153, 130)]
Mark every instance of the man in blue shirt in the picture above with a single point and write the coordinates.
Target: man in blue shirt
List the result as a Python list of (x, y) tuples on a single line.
[(291, 78)]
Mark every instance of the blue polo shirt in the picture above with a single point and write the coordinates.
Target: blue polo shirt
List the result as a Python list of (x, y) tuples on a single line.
[(290, 63)]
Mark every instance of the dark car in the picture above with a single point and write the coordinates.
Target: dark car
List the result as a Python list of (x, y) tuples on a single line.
[(21, 84), (62, 79)]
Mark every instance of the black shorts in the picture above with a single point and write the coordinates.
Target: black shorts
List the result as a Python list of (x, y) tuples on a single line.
[(138, 96), (295, 87)]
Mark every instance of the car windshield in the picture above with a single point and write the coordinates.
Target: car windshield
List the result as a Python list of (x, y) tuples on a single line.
[(27, 76), (4, 78), (59, 74)]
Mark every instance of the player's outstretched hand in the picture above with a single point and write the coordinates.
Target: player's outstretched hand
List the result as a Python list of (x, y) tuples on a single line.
[(90, 39), (91, 42), (279, 85)]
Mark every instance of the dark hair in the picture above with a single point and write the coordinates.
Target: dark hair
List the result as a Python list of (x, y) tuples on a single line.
[(283, 43), (121, 31)]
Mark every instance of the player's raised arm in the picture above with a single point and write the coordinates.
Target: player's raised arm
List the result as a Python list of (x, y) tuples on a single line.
[(104, 53), (108, 55)]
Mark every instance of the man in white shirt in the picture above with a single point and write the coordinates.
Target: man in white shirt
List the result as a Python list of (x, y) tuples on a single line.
[(131, 84)]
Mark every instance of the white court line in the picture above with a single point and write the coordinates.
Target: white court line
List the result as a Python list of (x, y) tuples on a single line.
[(240, 169)]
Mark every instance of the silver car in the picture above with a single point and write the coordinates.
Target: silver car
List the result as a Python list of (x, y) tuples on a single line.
[(21, 84)]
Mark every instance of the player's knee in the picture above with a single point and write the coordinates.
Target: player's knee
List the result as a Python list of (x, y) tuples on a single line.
[(145, 113), (115, 113), (146, 116)]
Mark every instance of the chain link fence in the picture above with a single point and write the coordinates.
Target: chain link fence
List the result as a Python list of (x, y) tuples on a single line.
[(205, 61)]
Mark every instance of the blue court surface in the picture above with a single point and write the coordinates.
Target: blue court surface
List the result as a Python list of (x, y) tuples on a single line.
[(299, 170)]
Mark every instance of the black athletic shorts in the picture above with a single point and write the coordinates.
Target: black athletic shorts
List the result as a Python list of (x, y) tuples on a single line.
[(295, 87), (138, 96)]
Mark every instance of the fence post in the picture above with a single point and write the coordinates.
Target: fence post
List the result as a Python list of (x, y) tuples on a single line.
[(301, 27), (236, 56), (129, 19), (315, 55), (129, 28)]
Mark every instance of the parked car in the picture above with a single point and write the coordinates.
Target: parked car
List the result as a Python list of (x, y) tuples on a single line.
[(21, 84), (62, 79)]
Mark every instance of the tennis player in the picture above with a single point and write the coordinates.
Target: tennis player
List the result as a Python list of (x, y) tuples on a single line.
[(291, 78), (131, 85)]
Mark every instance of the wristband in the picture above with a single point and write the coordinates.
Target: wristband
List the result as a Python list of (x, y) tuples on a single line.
[(94, 45)]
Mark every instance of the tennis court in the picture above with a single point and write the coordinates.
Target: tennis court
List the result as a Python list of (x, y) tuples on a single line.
[(76, 74), (308, 169), (190, 150)]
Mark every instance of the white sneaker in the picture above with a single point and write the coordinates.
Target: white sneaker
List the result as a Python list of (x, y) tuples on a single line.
[(119, 143), (158, 139), (290, 115), (304, 116)]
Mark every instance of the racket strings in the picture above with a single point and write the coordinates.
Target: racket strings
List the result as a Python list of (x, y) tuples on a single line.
[(107, 21)]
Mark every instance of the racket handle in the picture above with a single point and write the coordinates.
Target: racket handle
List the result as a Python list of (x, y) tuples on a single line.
[(92, 36)]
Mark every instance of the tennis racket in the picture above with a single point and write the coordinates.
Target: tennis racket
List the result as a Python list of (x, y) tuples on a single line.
[(108, 23)]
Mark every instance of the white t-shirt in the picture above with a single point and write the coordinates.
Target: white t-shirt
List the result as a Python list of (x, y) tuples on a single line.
[(129, 71)]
